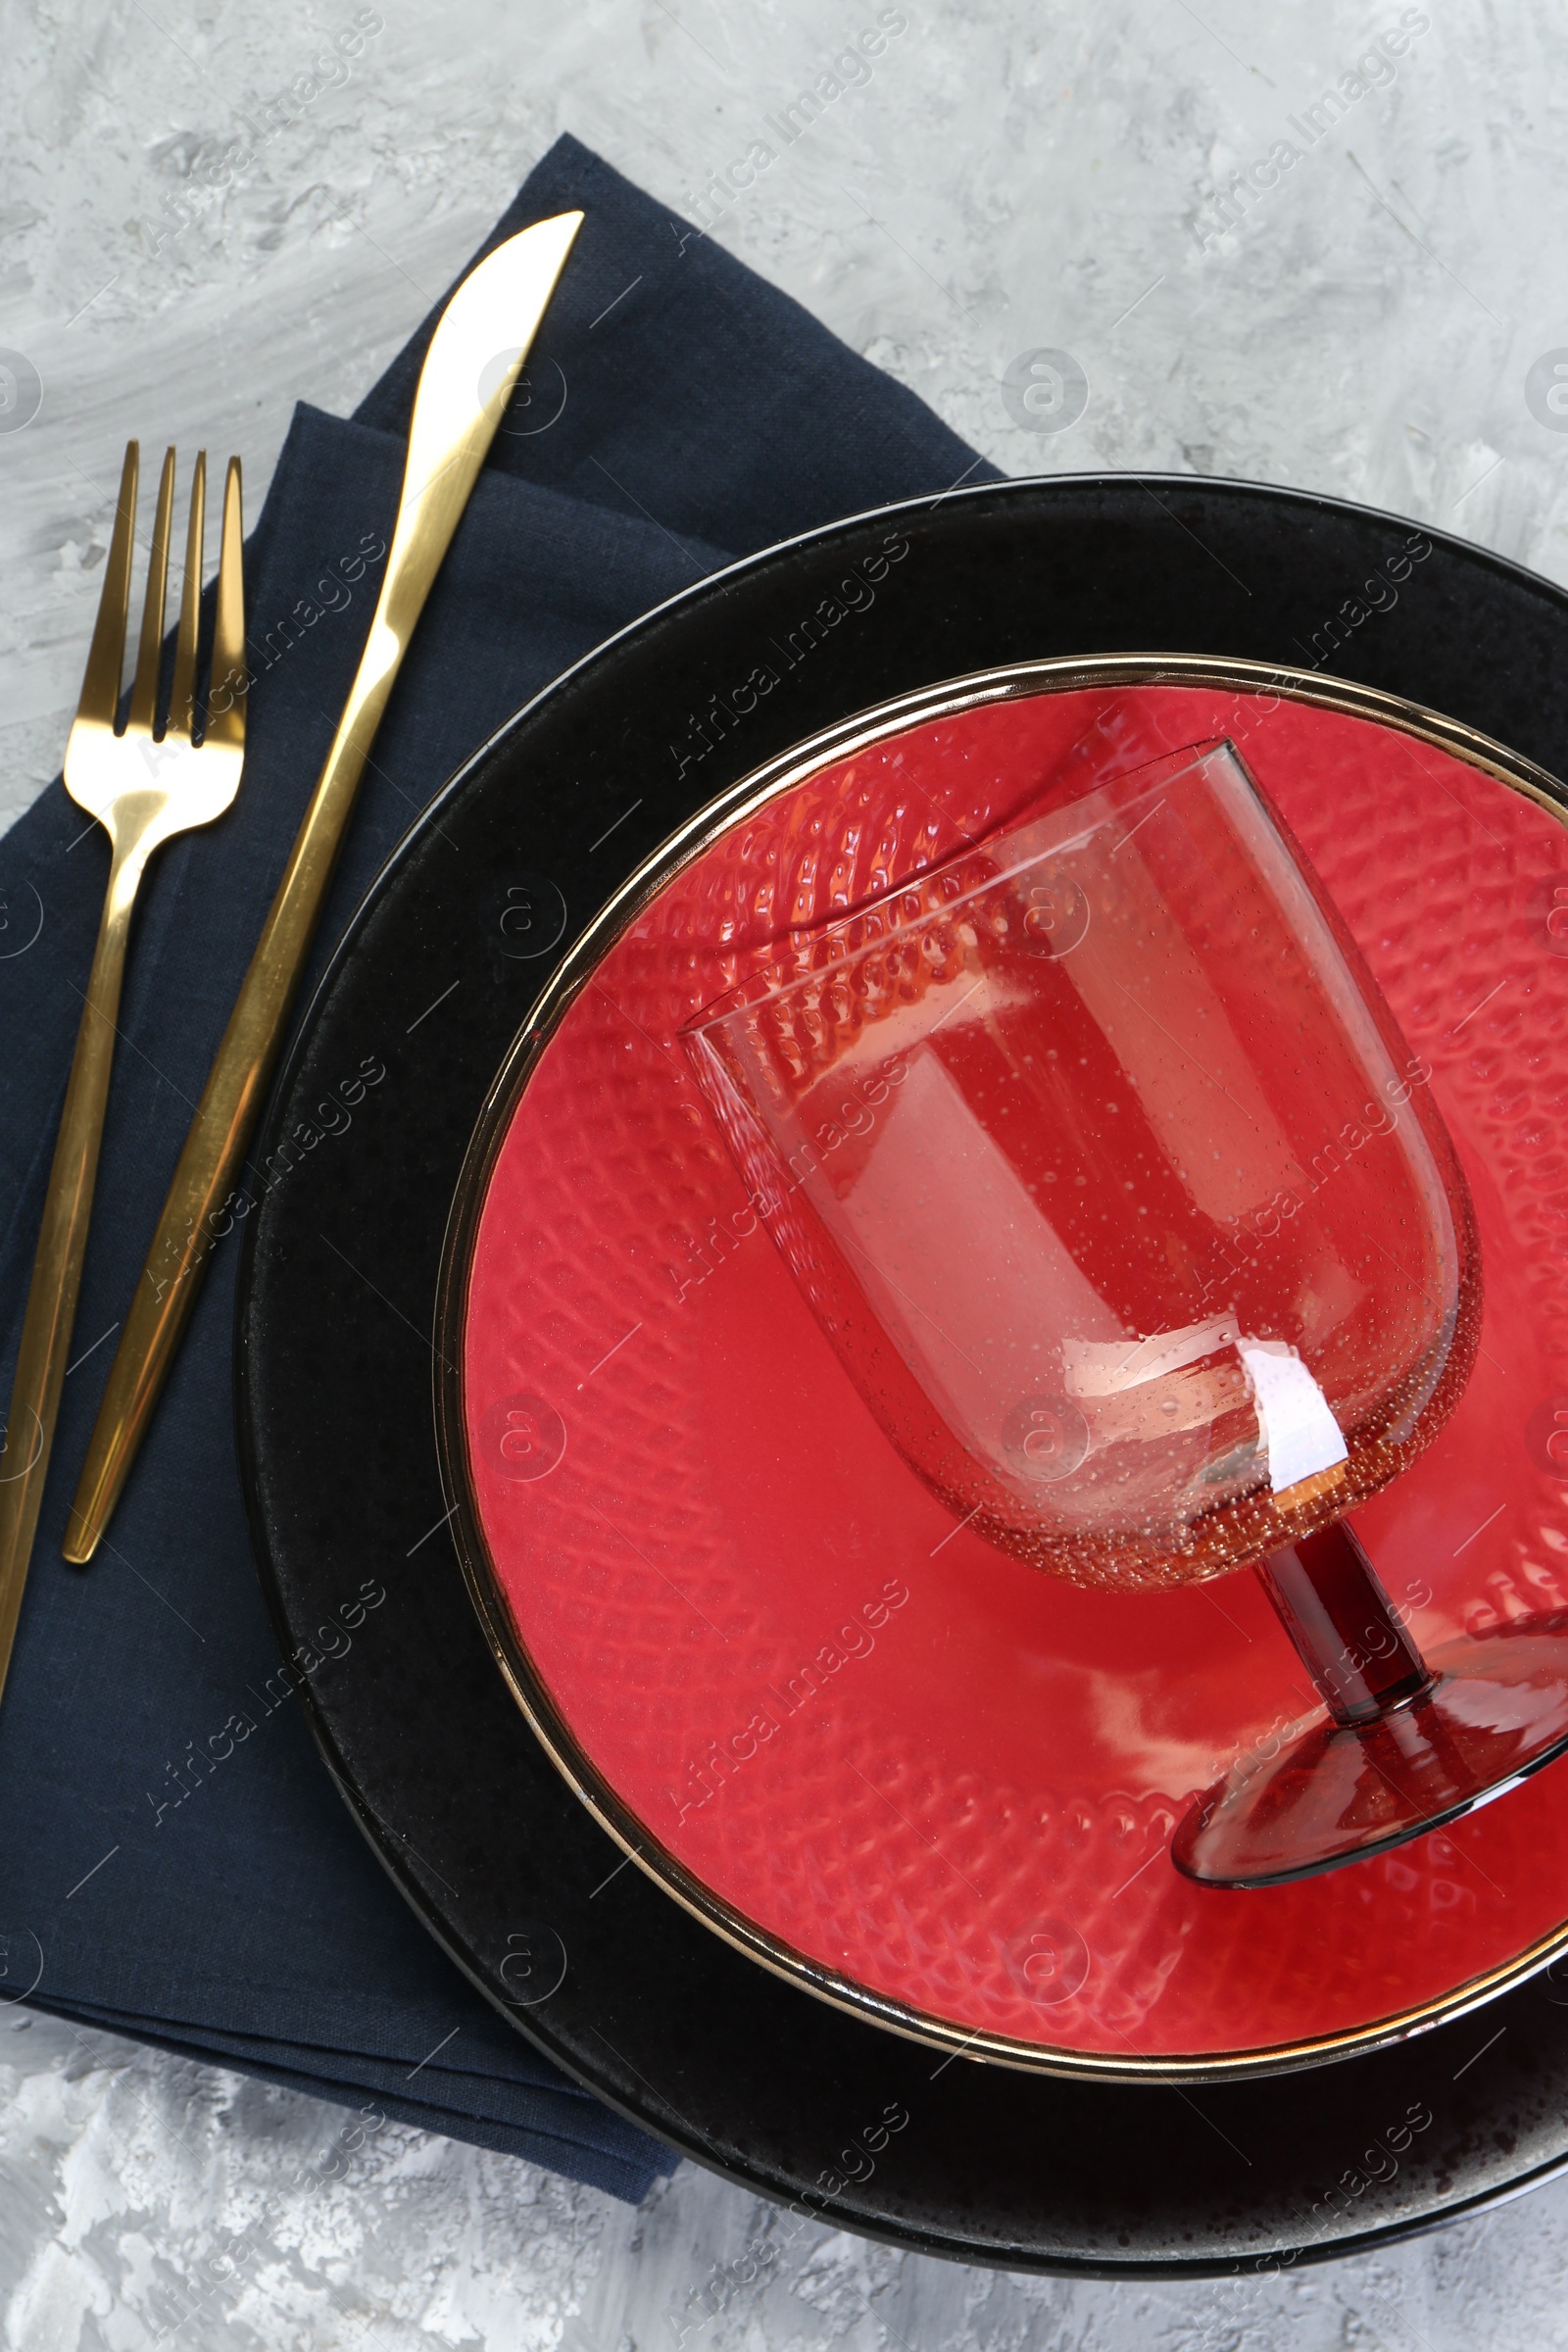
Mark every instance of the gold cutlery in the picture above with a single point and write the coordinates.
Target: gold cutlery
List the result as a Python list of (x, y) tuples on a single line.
[(143, 788), (456, 407)]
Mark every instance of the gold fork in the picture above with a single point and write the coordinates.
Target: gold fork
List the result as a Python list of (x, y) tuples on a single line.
[(143, 788)]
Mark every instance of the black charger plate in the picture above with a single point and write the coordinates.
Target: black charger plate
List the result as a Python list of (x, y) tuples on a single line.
[(609, 1975)]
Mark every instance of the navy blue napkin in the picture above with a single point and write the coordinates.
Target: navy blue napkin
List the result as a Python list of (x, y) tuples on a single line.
[(175, 1863)]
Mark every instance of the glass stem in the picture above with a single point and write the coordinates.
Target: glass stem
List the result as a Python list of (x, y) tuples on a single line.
[(1361, 1660)]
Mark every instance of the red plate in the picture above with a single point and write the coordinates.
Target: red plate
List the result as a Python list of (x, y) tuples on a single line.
[(882, 1756)]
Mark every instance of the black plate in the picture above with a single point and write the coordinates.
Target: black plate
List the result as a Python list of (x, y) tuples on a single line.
[(617, 1981)]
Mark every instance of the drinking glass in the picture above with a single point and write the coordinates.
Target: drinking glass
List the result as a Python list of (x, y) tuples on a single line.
[(1105, 1168)]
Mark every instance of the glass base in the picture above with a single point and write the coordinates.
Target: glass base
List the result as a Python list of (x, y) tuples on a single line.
[(1496, 1709)]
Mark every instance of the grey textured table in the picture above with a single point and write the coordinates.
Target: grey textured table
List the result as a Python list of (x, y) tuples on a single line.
[(1378, 316)]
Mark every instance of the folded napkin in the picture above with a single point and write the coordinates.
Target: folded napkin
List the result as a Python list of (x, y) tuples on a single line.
[(175, 1863)]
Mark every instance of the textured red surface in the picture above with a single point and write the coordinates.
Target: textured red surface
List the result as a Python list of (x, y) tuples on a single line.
[(888, 1747)]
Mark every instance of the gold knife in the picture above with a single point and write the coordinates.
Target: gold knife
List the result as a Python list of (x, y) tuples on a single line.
[(457, 408)]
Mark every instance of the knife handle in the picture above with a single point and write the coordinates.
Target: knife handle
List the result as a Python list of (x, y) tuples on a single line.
[(451, 430)]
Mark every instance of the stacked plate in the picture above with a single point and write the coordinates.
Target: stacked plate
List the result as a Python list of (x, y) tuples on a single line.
[(799, 1821)]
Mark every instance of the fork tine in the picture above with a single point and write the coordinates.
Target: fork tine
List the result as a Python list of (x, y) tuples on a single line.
[(100, 684), (182, 691), (150, 650), (225, 699)]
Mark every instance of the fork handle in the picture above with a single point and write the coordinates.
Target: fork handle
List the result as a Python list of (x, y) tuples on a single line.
[(212, 1159), (62, 1249)]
